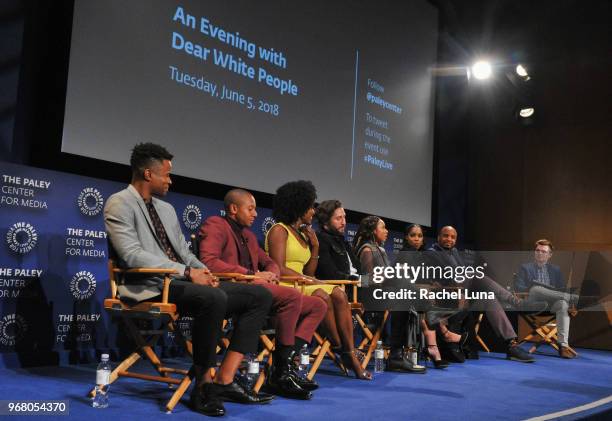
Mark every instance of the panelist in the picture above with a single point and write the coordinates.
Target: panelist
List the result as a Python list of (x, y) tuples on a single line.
[(294, 246), (444, 254), (544, 282), (411, 254), (368, 246), (144, 231), (228, 245)]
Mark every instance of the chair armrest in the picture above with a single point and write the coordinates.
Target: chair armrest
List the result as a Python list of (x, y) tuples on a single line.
[(149, 271), (340, 282), (233, 275), (300, 280), (163, 271)]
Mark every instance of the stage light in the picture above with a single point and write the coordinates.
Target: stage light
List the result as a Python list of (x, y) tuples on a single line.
[(481, 70), (521, 71), (526, 112)]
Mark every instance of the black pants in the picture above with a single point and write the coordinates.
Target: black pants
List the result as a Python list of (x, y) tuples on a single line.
[(248, 304), (405, 329)]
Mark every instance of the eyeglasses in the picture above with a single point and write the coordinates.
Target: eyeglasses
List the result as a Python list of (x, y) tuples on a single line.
[(542, 252)]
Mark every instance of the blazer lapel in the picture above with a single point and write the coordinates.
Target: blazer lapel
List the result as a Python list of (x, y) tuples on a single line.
[(145, 213), (237, 240), (173, 237)]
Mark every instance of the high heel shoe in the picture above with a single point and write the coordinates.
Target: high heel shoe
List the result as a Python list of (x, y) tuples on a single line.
[(441, 363), (351, 360)]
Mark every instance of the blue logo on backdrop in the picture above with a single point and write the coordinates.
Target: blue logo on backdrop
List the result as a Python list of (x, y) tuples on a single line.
[(22, 237), (192, 217), (83, 285), (267, 224), (90, 201), (12, 328)]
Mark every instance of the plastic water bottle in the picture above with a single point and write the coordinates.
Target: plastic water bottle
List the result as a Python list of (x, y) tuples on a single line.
[(252, 371), (379, 358), (304, 362), (102, 379)]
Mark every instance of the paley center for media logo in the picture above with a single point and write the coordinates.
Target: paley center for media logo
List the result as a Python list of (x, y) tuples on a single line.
[(13, 327), (22, 237), (83, 285), (192, 217), (267, 224), (90, 201)]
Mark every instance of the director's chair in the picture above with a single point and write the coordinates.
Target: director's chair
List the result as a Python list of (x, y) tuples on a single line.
[(146, 340), (543, 329)]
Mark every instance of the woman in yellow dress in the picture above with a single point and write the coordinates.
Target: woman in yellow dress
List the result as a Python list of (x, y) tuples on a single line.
[(293, 245)]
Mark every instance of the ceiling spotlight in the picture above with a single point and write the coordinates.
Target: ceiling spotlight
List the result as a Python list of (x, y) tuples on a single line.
[(521, 71), (481, 70), (526, 112)]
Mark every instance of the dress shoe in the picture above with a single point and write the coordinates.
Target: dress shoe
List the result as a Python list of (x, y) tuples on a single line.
[(283, 382), (398, 362), (516, 353), (304, 382), (564, 352), (234, 392), (205, 404)]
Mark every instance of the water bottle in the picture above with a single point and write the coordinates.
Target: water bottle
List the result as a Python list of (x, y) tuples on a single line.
[(102, 379), (379, 358), (304, 362), (252, 371)]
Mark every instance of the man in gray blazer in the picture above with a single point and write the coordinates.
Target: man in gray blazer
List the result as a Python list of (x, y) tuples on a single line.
[(144, 231)]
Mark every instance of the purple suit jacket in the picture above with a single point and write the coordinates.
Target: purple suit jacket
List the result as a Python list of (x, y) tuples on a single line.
[(219, 249)]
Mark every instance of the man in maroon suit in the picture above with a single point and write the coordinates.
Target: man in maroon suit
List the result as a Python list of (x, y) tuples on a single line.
[(228, 245)]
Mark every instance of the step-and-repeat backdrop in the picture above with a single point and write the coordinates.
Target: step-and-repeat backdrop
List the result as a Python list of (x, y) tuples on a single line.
[(53, 262)]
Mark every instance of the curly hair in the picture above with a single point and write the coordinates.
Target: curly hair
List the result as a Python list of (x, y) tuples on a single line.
[(365, 232), (292, 200), (144, 154), (325, 210)]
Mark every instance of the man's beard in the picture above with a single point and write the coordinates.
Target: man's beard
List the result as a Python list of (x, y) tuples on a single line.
[(334, 231)]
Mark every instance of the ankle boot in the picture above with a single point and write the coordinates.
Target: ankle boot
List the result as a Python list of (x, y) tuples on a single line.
[(283, 382), (398, 362)]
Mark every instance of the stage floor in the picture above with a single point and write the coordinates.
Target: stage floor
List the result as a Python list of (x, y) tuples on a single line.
[(489, 388)]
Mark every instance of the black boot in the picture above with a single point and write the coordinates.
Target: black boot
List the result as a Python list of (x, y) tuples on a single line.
[(304, 382), (283, 382), (398, 362), (205, 403)]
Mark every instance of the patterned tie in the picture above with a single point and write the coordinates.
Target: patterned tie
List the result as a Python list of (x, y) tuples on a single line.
[(161, 234)]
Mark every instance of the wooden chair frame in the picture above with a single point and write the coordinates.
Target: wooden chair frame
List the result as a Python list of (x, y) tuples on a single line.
[(146, 340), (368, 344), (543, 329)]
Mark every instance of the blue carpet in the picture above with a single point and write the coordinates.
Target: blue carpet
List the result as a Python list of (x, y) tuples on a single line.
[(490, 388)]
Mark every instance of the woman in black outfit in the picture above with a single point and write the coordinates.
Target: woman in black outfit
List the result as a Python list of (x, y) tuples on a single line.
[(367, 245), (411, 254)]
